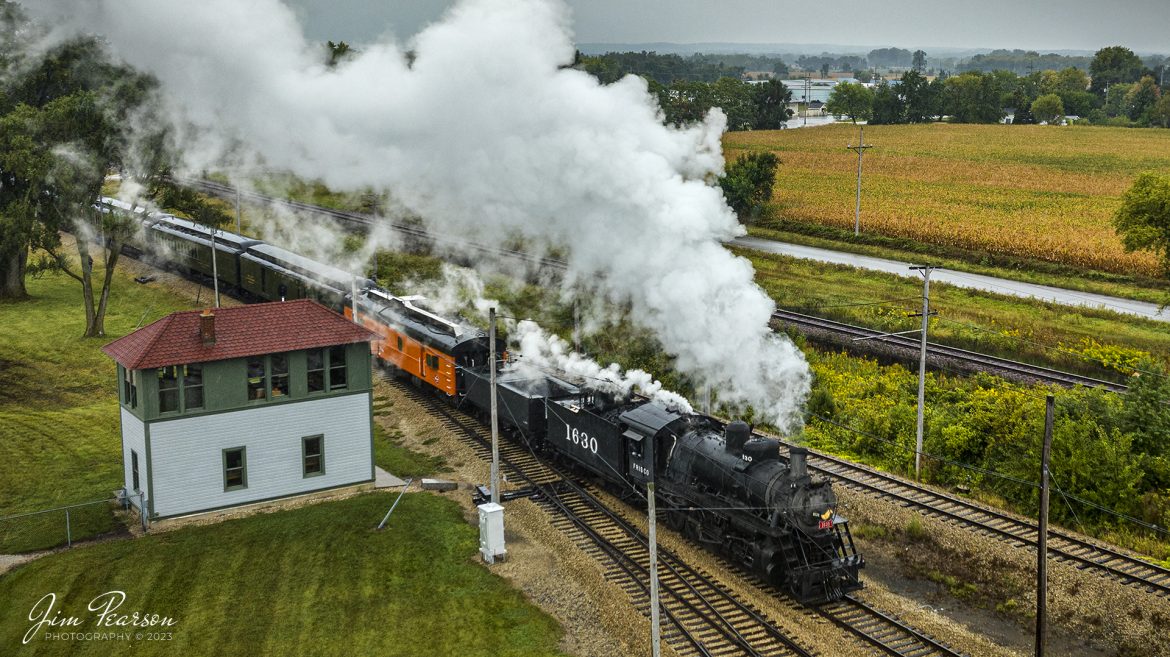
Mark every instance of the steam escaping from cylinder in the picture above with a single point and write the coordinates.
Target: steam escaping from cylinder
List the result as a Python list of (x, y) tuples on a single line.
[(479, 126)]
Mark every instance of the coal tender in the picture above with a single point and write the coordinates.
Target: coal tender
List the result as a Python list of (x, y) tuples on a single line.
[(719, 485)]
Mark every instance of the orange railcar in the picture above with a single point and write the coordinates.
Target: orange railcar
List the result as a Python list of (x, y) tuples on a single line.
[(428, 347)]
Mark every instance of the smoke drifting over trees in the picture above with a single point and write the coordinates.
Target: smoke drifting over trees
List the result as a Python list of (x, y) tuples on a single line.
[(483, 131)]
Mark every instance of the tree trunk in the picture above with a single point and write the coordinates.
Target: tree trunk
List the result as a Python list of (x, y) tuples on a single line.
[(114, 249), (12, 275), (87, 286)]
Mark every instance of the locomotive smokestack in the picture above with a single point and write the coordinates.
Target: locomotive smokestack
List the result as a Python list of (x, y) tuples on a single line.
[(797, 462), (737, 433)]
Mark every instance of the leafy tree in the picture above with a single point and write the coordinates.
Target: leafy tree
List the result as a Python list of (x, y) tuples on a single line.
[(852, 100), (1143, 220), (684, 102), (863, 75), (920, 97), (1024, 114), (1048, 108), (337, 53), (972, 98), (748, 183), (1021, 62), (1112, 65), (1140, 99), (890, 58), (1064, 81), (664, 69), (918, 63), (888, 106), (65, 120), (1160, 112), (771, 102), (737, 100), (1078, 103), (1115, 100), (1144, 410)]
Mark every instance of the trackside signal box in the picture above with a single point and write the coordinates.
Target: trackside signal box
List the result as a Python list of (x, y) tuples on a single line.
[(491, 532)]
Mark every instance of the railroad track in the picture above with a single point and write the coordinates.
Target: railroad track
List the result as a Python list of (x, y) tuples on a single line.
[(971, 358), (701, 616), (885, 633), (1062, 545), (975, 359)]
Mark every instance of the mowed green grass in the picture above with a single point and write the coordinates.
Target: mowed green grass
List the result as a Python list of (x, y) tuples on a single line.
[(59, 420), (60, 432), (318, 580)]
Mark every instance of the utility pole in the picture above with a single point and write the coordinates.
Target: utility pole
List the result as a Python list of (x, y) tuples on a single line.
[(214, 267), (860, 148), (495, 414), (925, 269), (353, 299), (807, 101), (576, 326), (1042, 535), (239, 231), (655, 630)]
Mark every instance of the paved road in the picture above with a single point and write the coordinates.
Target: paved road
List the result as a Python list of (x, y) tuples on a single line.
[(961, 279)]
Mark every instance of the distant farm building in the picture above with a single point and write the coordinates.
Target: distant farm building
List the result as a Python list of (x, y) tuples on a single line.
[(239, 405)]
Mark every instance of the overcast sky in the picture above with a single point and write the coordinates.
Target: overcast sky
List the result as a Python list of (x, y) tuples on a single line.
[(1029, 24)]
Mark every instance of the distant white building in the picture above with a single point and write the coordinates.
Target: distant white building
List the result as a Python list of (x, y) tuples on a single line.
[(239, 405)]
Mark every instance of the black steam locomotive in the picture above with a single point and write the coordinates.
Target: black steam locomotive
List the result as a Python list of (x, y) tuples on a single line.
[(718, 484)]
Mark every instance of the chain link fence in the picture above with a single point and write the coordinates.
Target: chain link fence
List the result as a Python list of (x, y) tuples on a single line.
[(65, 525)]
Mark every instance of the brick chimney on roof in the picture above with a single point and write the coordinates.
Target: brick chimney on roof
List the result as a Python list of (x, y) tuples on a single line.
[(207, 327)]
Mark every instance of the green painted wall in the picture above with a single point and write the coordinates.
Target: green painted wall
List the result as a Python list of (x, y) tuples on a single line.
[(225, 387)]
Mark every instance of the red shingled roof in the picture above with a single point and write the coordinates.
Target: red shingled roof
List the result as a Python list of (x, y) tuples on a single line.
[(263, 328)]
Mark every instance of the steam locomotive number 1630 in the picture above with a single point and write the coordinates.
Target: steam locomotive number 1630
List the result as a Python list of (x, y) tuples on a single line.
[(581, 439)]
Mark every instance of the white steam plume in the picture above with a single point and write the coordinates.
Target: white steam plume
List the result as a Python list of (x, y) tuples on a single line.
[(485, 135), (546, 353)]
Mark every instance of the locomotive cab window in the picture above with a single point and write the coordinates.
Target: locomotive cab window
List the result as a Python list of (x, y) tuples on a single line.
[(635, 440)]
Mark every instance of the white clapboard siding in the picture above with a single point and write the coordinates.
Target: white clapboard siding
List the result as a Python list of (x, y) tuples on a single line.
[(133, 438), (187, 453)]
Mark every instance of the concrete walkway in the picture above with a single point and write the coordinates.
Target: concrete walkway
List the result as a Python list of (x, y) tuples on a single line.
[(383, 479), (960, 279)]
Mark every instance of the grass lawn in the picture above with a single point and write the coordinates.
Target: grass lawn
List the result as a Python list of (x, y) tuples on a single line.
[(1040, 192), (59, 424), (60, 434), (317, 580), (1009, 326)]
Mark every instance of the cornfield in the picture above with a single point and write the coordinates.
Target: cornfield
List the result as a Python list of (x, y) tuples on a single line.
[(1044, 192)]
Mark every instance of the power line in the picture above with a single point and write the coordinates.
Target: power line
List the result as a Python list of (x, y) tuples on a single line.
[(1031, 484), (928, 455)]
